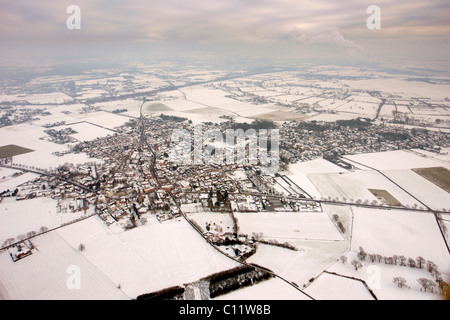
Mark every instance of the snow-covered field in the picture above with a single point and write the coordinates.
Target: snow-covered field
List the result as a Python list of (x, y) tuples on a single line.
[(315, 166), (362, 109), (334, 287), (331, 117), (216, 220), (400, 86), (51, 273), (288, 226), (394, 160), (45, 160), (387, 233), (210, 102), (19, 217), (302, 180), (272, 289), (299, 266), (421, 188), (11, 182), (148, 258), (106, 119), (396, 232), (27, 136), (117, 264), (355, 185), (87, 131), (41, 98), (379, 278), (131, 105)]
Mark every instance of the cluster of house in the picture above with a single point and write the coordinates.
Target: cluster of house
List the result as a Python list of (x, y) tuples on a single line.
[(303, 144), (21, 250), (61, 136), (123, 186), (16, 115), (238, 246)]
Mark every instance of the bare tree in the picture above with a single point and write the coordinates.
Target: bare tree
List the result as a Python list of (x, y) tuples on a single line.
[(420, 262), (8, 242), (400, 281), (431, 266), (395, 258), (343, 259), (444, 287), (43, 229), (356, 264), (427, 284), (402, 260), (257, 236), (412, 262), (21, 237), (31, 234), (362, 254)]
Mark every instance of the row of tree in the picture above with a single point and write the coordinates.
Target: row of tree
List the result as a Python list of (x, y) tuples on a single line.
[(22, 237), (339, 223), (439, 285)]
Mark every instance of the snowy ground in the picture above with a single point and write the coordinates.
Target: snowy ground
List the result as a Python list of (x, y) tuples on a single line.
[(355, 185), (273, 289), (408, 233), (299, 266), (122, 265), (394, 160), (28, 136), (19, 217), (288, 226), (87, 131), (148, 258), (11, 182), (386, 233), (218, 221), (333, 287), (49, 273), (379, 278)]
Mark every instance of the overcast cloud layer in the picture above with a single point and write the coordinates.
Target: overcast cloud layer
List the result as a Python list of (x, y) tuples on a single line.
[(408, 28)]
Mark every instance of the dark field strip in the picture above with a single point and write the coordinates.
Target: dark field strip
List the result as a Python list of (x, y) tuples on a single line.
[(440, 176), (12, 150)]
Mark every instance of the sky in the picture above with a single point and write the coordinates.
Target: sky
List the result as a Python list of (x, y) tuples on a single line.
[(297, 29)]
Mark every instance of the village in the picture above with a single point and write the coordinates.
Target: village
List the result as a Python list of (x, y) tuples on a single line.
[(99, 154)]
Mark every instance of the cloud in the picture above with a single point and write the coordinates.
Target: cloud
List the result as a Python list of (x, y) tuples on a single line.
[(327, 36), (306, 24)]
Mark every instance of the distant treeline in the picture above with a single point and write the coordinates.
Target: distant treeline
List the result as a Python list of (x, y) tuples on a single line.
[(352, 123), (172, 293), (256, 124), (172, 118), (119, 110), (230, 280), (395, 136)]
